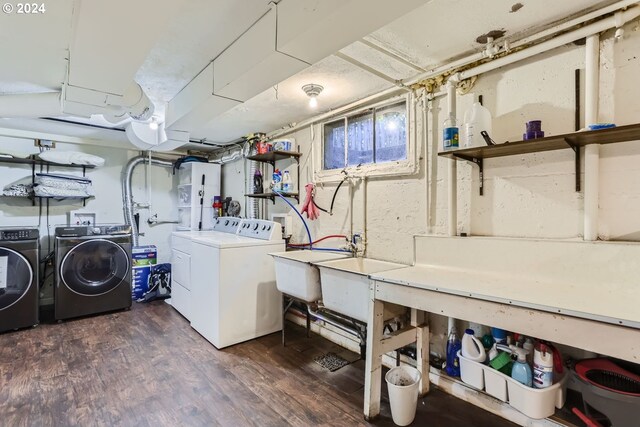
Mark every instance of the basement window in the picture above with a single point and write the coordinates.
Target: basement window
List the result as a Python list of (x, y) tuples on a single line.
[(371, 136)]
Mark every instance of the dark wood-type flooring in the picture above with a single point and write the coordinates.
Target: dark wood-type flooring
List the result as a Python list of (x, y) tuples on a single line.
[(147, 367)]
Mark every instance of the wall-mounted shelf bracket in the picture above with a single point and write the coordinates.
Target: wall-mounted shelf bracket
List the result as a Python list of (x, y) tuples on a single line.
[(478, 161), (576, 150)]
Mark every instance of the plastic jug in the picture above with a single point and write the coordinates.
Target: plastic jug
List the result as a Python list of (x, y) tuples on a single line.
[(472, 347), (476, 119), (287, 183)]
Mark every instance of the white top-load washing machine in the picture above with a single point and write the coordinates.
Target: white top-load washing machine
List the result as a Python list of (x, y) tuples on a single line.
[(181, 242), (233, 285)]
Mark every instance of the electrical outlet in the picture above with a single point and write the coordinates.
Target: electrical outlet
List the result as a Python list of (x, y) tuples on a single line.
[(44, 143)]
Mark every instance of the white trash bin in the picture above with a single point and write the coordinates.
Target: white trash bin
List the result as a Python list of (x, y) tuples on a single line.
[(402, 383)]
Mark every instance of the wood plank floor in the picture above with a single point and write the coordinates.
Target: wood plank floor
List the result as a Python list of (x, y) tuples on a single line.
[(147, 367)]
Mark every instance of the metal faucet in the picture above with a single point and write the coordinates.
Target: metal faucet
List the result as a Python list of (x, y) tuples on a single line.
[(354, 244)]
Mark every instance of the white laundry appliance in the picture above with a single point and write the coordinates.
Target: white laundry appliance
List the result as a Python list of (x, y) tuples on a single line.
[(233, 284), (181, 242)]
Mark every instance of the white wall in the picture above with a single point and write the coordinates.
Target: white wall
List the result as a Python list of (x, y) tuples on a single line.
[(525, 196), (107, 203)]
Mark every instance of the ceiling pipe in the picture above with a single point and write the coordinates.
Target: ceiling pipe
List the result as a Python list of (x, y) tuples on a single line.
[(563, 39), (470, 60), (452, 167), (591, 152)]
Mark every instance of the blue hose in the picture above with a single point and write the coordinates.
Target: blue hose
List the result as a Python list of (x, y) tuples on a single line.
[(307, 228), (300, 215)]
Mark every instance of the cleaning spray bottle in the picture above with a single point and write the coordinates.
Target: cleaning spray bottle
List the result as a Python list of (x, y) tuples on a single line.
[(542, 365), (521, 370)]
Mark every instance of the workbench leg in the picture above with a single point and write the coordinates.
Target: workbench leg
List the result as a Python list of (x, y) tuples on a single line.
[(419, 320), (373, 366)]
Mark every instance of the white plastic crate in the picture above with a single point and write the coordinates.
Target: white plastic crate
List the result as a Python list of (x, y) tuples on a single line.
[(534, 403)]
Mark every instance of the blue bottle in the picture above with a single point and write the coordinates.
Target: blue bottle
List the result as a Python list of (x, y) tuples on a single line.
[(521, 371), (453, 346)]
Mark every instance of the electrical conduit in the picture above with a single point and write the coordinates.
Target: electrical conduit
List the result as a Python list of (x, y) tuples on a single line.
[(591, 152)]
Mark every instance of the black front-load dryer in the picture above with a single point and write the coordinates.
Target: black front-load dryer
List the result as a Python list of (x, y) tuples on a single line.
[(93, 270), (19, 251)]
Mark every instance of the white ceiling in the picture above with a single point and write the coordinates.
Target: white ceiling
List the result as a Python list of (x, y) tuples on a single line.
[(35, 50)]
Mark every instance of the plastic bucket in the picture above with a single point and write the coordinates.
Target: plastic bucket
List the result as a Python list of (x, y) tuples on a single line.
[(402, 383)]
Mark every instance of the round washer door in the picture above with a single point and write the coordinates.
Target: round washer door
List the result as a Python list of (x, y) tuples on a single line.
[(16, 275), (94, 267)]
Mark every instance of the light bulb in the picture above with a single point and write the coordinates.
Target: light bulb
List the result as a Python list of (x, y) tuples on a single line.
[(153, 125), (313, 102)]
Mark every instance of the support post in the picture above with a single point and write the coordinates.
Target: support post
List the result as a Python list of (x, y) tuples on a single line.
[(373, 364)]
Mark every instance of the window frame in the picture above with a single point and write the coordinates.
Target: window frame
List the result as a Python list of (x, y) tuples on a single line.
[(405, 166)]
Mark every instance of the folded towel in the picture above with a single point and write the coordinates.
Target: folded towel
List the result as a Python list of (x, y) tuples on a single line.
[(71, 158)]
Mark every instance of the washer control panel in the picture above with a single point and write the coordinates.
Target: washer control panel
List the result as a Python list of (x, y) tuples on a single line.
[(227, 224), (8, 234), (96, 230), (260, 229)]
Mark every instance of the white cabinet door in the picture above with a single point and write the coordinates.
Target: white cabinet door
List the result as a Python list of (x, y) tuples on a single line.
[(181, 265), (181, 299)]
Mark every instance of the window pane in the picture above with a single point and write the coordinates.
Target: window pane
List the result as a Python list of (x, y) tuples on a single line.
[(334, 145), (360, 137), (391, 133)]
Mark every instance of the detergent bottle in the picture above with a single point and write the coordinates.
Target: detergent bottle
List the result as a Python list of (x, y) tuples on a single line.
[(453, 346), (521, 371), (287, 183), (258, 187), (472, 347), (476, 119)]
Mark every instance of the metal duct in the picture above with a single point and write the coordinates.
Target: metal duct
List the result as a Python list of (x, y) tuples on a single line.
[(48, 104), (127, 198), (145, 138)]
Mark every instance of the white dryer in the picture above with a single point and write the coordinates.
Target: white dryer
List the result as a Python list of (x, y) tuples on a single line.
[(233, 284), (181, 242)]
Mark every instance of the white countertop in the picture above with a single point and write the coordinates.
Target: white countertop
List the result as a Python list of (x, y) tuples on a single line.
[(609, 302)]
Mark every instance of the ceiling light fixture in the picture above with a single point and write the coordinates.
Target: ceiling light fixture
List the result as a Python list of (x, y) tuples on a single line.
[(312, 90), (153, 125)]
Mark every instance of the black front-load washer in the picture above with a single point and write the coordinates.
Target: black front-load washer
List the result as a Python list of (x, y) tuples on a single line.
[(93, 270), (19, 252)]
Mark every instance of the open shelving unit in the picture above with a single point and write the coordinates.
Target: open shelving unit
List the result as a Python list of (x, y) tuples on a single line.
[(271, 158), (573, 141), (42, 164)]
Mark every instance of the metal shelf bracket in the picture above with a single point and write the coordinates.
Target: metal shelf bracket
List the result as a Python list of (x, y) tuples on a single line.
[(576, 151), (480, 163)]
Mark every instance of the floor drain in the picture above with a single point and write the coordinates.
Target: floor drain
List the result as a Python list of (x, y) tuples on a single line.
[(331, 361)]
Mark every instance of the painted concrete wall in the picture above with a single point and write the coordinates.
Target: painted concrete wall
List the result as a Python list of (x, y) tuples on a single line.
[(525, 196), (107, 203)]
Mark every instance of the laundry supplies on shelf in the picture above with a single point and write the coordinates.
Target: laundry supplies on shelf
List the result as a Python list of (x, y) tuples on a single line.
[(472, 347), (59, 185)]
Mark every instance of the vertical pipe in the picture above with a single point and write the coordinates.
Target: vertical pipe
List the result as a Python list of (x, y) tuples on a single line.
[(591, 152), (453, 166)]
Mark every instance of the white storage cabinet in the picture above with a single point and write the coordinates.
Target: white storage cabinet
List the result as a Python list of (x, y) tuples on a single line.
[(189, 186)]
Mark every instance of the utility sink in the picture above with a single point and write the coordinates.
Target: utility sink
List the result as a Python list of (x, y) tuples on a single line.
[(297, 276), (345, 285)]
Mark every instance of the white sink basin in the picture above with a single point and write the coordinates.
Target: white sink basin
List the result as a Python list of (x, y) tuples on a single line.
[(345, 284), (297, 276)]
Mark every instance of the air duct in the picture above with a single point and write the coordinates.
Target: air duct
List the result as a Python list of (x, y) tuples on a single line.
[(145, 138), (127, 198), (29, 105)]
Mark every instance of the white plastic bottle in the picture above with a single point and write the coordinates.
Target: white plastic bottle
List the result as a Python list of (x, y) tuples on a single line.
[(476, 119), (287, 183), (472, 347), (542, 366)]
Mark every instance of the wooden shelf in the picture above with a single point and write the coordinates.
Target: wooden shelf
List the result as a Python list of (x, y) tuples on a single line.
[(272, 196), (573, 141), (272, 156)]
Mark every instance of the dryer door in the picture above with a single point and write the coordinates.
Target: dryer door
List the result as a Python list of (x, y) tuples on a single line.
[(15, 277), (94, 267)]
